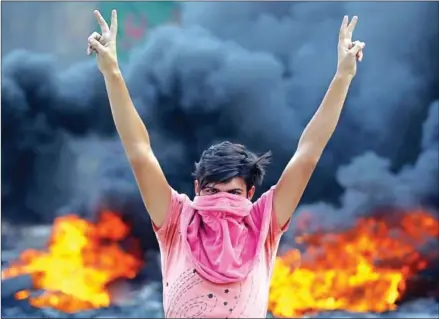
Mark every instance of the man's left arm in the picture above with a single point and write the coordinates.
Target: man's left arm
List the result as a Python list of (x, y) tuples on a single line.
[(295, 177)]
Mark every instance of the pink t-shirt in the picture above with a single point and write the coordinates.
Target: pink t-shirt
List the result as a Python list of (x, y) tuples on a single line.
[(187, 295)]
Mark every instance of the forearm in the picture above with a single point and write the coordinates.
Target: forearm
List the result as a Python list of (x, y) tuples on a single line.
[(129, 125), (322, 125)]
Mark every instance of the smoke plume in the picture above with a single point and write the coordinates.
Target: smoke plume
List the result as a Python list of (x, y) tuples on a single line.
[(253, 73)]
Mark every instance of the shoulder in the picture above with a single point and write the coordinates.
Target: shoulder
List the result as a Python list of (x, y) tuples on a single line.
[(265, 203), (177, 203), (178, 199), (263, 215)]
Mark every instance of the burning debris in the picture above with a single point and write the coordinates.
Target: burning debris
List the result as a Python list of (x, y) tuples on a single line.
[(361, 269), (365, 268), (81, 261)]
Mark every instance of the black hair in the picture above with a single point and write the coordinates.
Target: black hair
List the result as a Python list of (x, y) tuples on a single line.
[(224, 161)]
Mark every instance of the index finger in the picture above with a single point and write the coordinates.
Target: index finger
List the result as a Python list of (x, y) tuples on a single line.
[(101, 21), (343, 26)]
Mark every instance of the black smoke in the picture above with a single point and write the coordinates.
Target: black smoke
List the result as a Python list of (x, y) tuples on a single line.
[(369, 184), (253, 73)]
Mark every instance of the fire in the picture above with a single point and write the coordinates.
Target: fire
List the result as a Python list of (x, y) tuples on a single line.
[(81, 260), (362, 269)]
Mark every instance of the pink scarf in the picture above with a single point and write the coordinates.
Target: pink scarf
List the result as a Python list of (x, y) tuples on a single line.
[(222, 239)]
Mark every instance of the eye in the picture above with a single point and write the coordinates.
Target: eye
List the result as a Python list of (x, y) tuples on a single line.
[(210, 191), (235, 192)]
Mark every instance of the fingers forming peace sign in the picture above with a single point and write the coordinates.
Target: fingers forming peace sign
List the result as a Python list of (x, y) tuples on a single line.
[(349, 51), (346, 29), (106, 31), (104, 43), (345, 37)]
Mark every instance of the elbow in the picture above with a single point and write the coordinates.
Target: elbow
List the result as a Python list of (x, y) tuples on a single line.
[(310, 161), (309, 156), (138, 153), (305, 163)]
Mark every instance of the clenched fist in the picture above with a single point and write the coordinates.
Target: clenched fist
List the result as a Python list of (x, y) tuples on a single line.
[(104, 43), (348, 52)]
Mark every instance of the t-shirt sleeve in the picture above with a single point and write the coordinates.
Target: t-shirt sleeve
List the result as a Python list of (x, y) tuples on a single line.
[(166, 232), (264, 205)]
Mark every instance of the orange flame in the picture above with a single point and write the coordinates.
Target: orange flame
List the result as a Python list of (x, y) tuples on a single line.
[(362, 269), (81, 260)]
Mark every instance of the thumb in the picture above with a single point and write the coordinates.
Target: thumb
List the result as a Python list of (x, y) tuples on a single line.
[(358, 46), (97, 46)]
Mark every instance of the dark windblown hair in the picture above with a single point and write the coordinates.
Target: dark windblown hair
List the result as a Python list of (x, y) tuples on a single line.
[(224, 161)]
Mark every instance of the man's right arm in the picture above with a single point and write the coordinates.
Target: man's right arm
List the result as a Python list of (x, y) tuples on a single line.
[(152, 183)]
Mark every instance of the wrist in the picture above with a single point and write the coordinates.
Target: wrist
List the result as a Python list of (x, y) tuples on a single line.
[(343, 76), (111, 73)]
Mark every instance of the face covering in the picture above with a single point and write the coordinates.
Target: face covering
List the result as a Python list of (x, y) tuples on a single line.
[(221, 237)]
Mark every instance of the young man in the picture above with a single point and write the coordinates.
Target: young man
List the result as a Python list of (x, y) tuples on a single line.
[(218, 250)]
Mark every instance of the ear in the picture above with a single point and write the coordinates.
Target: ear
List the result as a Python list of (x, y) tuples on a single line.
[(196, 187), (251, 192)]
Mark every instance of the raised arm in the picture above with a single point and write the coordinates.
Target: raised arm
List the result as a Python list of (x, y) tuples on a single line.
[(154, 188), (319, 130)]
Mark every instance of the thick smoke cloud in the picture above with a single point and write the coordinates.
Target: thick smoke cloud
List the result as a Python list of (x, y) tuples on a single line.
[(247, 72), (370, 184), (396, 82)]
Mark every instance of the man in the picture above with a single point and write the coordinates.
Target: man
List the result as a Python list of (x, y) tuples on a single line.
[(218, 250)]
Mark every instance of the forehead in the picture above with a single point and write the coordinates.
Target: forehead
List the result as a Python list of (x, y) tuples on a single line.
[(234, 183)]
